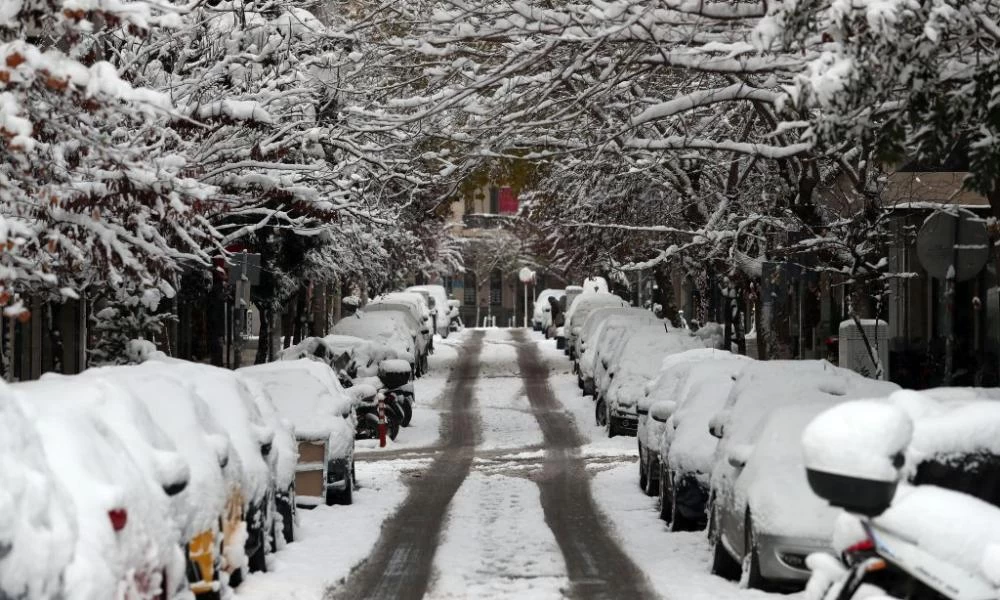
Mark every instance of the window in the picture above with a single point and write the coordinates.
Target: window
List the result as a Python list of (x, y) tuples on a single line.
[(496, 287), (469, 297), (494, 200)]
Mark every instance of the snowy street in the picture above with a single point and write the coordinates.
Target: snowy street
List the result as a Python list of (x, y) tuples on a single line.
[(520, 495)]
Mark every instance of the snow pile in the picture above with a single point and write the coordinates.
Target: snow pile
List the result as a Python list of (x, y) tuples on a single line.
[(394, 366), (595, 285), (860, 439)]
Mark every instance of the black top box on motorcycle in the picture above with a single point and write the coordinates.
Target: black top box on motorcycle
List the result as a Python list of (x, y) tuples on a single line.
[(392, 378), (868, 497)]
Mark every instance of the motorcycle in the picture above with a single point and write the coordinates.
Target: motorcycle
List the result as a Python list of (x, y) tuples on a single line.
[(899, 555), (398, 388), (368, 420)]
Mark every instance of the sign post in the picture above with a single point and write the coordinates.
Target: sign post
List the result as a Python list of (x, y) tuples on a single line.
[(526, 276), (953, 247)]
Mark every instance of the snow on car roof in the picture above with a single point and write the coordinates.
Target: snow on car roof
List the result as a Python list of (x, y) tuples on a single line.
[(959, 425), (311, 401), (765, 385), (584, 303)]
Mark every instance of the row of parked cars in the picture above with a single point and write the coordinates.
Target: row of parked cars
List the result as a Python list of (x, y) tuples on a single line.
[(381, 349), (720, 440), (165, 478), (169, 478)]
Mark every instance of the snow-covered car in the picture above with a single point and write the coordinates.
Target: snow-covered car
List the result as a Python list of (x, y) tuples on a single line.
[(357, 357), (309, 395), (765, 529), (213, 512), (637, 361), (382, 327), (684, 447), (541, 316), (231, 403), (406, 325), (127, 543), (281, 460), (582, 306), (609, 334), (440, 311), (678, 372), (594, 324), (413, 304), (38, 529)]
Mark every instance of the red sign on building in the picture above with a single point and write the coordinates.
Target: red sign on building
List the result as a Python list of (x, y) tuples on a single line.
[(508, 201)]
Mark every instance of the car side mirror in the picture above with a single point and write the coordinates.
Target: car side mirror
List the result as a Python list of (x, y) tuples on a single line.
[(739, 455), (662, 410), (717, 426)]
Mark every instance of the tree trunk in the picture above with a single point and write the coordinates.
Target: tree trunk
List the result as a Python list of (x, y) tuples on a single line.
[(274, 340), (263, 337)]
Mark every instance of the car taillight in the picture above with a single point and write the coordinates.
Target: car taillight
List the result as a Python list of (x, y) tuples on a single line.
[(862, 546), (119, 518)]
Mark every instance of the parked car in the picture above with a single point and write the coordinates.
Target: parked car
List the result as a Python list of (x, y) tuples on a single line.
[(678, 430), (670, 385), (440, 311), (127, 544), (609, 333), (594, 324), (357, 357), (38, 528), (282, 461), (414, 305), (581, 308), (383, 327), (749, 524), (309, 395), (541, 317), (636, 362)]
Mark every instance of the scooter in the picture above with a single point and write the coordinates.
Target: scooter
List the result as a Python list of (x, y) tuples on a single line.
[(368, 418), (890, 558)]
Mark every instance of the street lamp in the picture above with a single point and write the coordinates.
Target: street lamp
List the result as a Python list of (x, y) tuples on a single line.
[(526, 276)]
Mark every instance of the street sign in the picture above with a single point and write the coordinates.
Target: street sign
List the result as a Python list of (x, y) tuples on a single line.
[(245, 264), (526, 275), (958, 240)]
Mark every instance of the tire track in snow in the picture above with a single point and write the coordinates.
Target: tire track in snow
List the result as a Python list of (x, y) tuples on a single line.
[(597, 566), (400, 566)]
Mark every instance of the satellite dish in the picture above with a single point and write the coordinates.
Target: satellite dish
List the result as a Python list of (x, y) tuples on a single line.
[(958, 240)]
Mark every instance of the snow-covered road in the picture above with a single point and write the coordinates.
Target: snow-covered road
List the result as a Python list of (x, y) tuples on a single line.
[(503, 487)]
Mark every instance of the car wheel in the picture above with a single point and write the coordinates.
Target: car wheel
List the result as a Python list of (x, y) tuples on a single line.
[(392, 419), (723, 564), (287, 512), (257, 562), (236, 578), (611, 421), (751, 565), (599, 413), (666, 505), (344, 497), (407, 413), (652, 482), (643, 475)]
